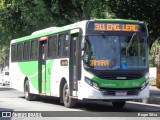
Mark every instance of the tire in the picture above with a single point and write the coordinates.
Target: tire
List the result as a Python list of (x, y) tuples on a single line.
[(67, 100), (118, 105), (3, 84), (28, 96)]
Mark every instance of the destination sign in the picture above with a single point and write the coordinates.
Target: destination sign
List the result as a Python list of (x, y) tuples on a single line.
[(116, 27), (99, 62)]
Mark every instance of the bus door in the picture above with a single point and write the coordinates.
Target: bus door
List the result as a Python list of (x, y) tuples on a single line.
[(75, 62), (42, 65)]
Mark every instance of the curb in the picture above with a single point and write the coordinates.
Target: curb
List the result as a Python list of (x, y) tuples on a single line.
[(154, 97)]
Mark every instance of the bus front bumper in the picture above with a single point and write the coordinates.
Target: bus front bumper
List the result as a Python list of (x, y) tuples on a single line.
[(94, 94)]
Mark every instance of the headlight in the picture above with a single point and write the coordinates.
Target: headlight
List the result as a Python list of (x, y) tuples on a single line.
[(147, 76), (92, 83), (95, 85), (88, 81), (145, 83)]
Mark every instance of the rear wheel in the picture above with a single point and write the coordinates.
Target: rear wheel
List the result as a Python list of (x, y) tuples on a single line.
[(27, 94), (67, 100), (118, 104)]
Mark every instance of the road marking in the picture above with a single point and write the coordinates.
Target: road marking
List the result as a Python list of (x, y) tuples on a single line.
[(154, 105)]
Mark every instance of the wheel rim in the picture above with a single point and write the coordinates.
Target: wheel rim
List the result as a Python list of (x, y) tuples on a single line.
[(26, 92), (66, 95)]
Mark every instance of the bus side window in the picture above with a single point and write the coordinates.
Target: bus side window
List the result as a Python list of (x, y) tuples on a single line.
[(66, 46), (26, 51), (34, 50), (63, 45), (13, 53), (60, 45), (52, 47), (19, 51)]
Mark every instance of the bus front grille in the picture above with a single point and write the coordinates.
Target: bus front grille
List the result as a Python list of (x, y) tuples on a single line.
[(123, 92), (115, 77)]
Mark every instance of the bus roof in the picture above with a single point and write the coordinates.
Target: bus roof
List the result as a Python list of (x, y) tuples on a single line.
[(50, 31), (67, 27), (119, 20)]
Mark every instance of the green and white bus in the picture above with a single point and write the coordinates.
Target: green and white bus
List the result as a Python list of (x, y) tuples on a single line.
[(102, 59)]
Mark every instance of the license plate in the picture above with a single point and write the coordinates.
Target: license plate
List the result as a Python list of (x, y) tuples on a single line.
[(121, 93)]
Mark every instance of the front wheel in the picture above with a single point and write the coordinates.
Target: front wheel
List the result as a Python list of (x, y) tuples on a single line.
[(67, 100), (28, 96), (118, 104)]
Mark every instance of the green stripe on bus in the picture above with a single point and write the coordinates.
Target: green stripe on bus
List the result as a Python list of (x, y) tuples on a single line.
[(106, 83), (117, 20), (30, 70), (58, 29)]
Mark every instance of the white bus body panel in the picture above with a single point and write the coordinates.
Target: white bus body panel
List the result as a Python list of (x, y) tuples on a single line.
[(17, 79), (57, 73)]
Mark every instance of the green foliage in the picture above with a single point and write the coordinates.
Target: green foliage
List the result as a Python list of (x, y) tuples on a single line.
[(21, 17), (3, 55), (152, 54), (154, 51)]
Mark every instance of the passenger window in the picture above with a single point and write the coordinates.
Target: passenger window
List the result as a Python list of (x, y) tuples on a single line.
[(34, 50), (52, 47), (60, 45), (63, 45), (66, 46), (13, 53), (19, 51), (26, 51)]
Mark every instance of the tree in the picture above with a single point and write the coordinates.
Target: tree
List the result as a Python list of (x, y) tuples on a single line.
[(3, 55), (21, 17)]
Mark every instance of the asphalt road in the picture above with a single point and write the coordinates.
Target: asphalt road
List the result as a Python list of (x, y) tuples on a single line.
[(13, 100)]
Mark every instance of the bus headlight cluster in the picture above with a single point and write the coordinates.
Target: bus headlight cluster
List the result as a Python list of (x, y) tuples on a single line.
[(145, 83), (147, 75), (91, 83)]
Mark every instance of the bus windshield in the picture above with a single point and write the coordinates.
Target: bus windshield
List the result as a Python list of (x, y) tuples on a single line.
[(105, 52)]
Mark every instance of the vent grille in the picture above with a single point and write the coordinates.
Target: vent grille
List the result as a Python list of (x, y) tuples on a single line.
[(115, 77), (128, 92)]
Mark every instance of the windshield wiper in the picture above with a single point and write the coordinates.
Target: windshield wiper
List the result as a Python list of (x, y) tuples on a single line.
[(130, 42)]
